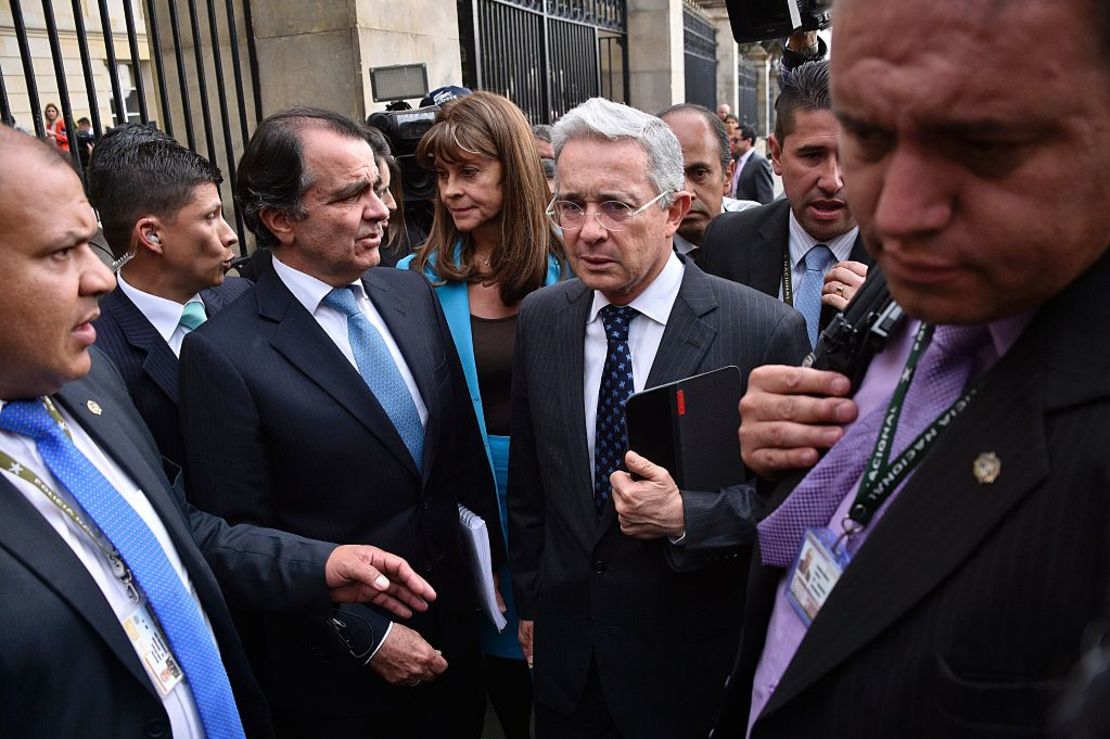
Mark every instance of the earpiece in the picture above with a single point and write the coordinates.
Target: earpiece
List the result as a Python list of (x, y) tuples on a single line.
[(153, 238)]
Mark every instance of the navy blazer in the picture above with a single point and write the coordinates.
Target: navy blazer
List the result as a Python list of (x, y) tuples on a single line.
[(66, 665), (146, 362), (281, 430)]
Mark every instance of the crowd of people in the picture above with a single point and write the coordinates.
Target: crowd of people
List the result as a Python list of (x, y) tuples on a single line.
[(231, 507)]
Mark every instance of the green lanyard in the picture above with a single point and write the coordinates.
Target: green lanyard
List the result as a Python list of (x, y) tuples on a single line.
[(882, 476), (119, 567)]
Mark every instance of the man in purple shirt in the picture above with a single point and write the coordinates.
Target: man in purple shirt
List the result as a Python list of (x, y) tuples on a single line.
[(954, 537)]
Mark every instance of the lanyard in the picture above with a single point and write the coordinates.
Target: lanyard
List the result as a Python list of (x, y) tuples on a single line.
[(119, 567), (787, 281), (883, 476)]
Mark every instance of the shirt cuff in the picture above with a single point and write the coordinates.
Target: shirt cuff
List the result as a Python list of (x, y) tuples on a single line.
[(677, 542), (380, 642)]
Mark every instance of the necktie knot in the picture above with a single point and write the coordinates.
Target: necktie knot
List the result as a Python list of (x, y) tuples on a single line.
[(343, 300), (956, 341), (617, 319), (28, 418), (818, 258), (193, 315)]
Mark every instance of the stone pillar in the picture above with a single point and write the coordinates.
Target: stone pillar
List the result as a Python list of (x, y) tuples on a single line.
[(727, 58), (655, 54), (320, 53)]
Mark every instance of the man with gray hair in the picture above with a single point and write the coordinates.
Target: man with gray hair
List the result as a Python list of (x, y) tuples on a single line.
[(633, 602)]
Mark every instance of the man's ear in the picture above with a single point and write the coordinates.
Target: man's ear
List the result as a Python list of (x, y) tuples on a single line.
[(147, 236), (678, 210), (728, 176), (278, 223), (776, 153)]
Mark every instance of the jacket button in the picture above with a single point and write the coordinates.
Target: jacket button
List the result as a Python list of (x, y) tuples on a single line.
[(599, 566), (156, 728), (425, 505), (427, 566)]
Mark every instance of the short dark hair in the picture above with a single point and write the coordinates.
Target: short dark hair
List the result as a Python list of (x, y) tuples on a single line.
[(714, 123), (747, 132), (271, 173), (155, 176), (106, 154), (84, 119), (805, 88), (732, 117)]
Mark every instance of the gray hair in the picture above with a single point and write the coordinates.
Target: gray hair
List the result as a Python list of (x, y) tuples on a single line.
[(603, 120)]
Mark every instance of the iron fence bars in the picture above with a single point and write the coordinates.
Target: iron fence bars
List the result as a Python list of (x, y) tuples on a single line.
[(747, 77), (28, 67), (700, 55), (136, 59), (86, 67), (545, 55), (118, 103), (155, 40), (66, 111)]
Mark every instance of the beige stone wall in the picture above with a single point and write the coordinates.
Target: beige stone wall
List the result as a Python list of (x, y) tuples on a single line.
[(655, 56)]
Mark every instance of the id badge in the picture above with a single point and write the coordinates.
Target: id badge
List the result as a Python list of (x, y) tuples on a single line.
[(149, 642), (817, 569)]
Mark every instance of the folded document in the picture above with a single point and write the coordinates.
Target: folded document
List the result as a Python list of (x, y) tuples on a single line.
[(476, 544)]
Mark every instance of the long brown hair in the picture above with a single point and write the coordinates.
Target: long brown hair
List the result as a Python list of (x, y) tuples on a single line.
[(489, 125)]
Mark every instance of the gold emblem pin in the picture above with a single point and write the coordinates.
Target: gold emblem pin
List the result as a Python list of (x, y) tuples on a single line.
[(94, 407), (986, 468)]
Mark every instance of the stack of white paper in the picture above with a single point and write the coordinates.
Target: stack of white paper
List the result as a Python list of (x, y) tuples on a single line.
[(476, 541)]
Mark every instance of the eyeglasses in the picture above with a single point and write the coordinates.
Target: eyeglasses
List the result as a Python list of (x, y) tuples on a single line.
[(612, 215)]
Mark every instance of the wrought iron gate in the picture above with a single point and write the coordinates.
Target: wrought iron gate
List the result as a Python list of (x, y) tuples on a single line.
[(700, 56), (545, 55), (169, 53), (747, 77)]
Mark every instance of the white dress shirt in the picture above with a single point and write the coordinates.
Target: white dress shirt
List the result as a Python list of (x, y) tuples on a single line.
[(801, 242), (644, 334), (310, 292), (163, 314), (179, 704)]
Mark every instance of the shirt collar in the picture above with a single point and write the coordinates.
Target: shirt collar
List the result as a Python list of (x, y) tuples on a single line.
[(682, 246), (164, 314), (743, 158), (308, 290), (801, 242), (657, 299)]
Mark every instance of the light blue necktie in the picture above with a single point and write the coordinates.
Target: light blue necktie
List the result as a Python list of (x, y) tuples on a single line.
[(808, 298), (378, 369), (610, 433), (193, 315), (176, 609)]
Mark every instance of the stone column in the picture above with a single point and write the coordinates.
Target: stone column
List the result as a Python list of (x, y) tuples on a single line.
[(655, 57), (727, 58)]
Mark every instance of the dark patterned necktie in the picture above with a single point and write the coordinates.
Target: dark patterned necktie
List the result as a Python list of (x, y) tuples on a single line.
[(611, 438)]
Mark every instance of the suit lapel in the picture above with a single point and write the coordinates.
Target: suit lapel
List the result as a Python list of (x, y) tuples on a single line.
[(299, 338), (396, 310), (768, 252), (935, 523), (859, 251), (686, 339), (159, 362), (29, 538)]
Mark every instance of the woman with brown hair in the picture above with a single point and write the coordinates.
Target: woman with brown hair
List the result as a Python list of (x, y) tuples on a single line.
[(489, 247)]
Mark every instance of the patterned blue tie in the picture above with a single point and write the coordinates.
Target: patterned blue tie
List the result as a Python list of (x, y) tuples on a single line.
[(175, 608), (808, 297), (377, 368), (611, 436)]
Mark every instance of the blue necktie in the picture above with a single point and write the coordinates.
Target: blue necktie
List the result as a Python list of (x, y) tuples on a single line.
[(611, 436), (808, 297), (192, 315), (176, 609), (377, 368)]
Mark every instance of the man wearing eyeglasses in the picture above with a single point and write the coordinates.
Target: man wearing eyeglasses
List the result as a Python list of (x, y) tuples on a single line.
[(631, 589)]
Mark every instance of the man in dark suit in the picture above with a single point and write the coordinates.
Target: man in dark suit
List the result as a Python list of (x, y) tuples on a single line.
[(160, 211), (633, 604), (965, 600), (330, 403), (804, 249), (95, 542), (751, 172)]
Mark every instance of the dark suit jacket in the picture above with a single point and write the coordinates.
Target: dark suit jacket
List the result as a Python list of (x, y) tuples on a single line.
[(755, 181), (965, 608), (661, 638), (147, 363), (748, 247), (66, 665), (280, 429)]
